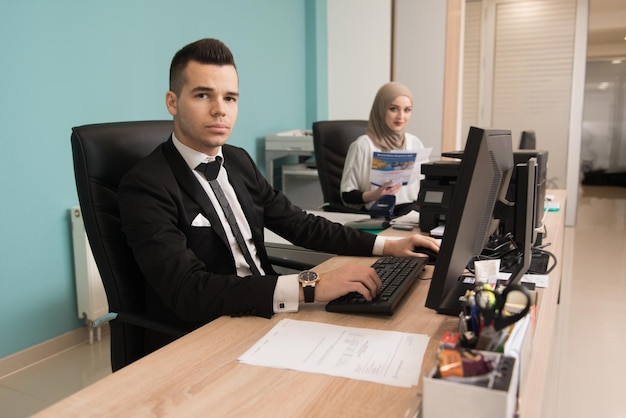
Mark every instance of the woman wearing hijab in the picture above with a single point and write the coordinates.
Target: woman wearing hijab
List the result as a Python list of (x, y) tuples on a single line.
[(391, 111)]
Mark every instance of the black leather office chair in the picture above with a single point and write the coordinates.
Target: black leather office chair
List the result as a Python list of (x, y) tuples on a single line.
[(331, 140), (103, 154)]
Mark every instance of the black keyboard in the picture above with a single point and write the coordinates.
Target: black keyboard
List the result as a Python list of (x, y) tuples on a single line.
[(397, 275)]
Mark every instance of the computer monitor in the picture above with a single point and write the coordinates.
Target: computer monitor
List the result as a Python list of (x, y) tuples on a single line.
[(483, 179), (528, 140), (509, 218), (524, 230)]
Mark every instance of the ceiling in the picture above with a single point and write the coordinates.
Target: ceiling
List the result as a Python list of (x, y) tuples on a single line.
[(607, 29)]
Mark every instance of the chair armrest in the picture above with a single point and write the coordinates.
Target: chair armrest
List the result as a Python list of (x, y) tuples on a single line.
[(291, 264), (331, 207), (140, 320)]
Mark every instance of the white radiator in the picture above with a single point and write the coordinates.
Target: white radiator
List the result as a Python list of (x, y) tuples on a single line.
[(92, 301)]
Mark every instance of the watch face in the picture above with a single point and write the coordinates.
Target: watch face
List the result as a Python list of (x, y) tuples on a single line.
[(308, 276)]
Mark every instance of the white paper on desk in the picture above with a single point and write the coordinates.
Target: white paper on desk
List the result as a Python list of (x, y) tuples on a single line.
[(389, 357)]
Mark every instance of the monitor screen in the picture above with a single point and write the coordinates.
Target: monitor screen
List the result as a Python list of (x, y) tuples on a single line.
[(483, 179)]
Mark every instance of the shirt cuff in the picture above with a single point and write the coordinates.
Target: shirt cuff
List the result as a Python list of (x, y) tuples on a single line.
[(379, 245), (287, 294)]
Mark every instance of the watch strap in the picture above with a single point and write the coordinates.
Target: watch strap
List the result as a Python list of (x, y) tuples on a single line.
[(309, 294)]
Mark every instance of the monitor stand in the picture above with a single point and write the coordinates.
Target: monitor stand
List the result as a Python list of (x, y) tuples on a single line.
[(451, 305)]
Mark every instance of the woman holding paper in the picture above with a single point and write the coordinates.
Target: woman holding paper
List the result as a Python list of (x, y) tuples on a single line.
[(367, 174)]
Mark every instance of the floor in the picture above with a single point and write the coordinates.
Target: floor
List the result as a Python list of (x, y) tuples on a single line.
[(34, 388), (587, 362)]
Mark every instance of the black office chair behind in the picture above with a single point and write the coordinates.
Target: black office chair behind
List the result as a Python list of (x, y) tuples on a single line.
[(331, 140), (103, 153)]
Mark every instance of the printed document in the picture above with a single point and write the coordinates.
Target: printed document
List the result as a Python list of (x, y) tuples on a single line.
[(397, 166), (388, 357)]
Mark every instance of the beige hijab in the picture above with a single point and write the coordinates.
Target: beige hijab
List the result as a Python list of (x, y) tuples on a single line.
[(377, 129)]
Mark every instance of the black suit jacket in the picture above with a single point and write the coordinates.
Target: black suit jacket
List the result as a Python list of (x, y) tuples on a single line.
[(190, 271)]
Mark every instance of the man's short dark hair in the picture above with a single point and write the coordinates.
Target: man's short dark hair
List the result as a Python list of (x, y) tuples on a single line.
[(204, 51)]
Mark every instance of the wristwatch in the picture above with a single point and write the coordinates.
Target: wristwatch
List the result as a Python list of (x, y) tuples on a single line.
[(308, 279)]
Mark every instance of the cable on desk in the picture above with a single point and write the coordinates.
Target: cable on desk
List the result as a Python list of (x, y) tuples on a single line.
[(550, 257), (503, 248)]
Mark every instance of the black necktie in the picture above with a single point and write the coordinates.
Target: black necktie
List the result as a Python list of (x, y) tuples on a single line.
[(210, 171)]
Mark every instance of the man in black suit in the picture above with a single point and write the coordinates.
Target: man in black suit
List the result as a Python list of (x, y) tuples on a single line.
[(194, 266)]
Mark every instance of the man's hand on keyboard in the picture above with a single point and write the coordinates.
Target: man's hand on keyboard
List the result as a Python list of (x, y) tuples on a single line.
[(346, 279)]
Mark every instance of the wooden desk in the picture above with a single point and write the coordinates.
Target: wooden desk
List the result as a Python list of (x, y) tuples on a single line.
[(198, 375), (532, 388)]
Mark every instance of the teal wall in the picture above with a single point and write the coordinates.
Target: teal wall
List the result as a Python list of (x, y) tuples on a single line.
[(316, 62), (72, 62)]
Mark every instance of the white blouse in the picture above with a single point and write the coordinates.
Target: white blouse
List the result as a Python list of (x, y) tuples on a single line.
[(356, 169)]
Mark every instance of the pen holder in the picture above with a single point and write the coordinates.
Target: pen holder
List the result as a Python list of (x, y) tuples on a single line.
[(489, 314), (491, 397)]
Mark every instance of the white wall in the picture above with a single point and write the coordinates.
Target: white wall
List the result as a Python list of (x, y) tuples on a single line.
[(359, 59), (420, 64), (359, 55), (576, 112)]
